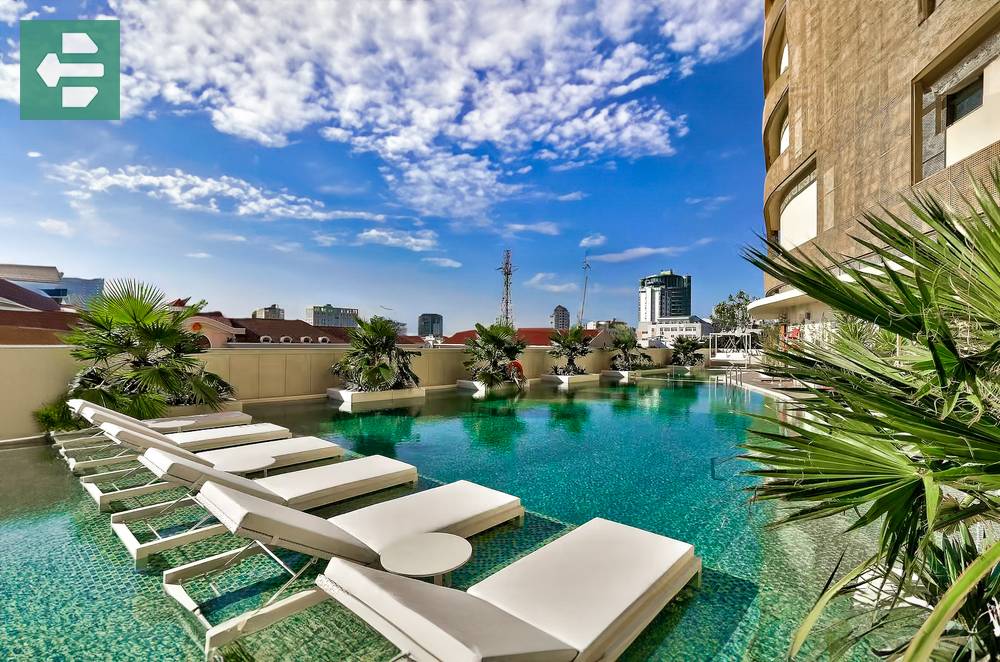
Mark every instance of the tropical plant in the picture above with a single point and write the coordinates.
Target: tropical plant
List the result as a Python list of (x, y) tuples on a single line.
[(733, 313), (570, 344), (140, 357), (904, 434), (628, 355), (374, 362), (493, 353), (685, 351)]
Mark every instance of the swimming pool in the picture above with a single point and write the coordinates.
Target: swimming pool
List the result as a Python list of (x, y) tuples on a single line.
[(657, 455)]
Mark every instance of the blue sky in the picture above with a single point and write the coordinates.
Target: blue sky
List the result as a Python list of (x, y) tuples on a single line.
[(382, 157)]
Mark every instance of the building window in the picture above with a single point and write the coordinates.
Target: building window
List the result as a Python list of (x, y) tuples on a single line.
[(286, 339), (266, 339), (784, 138), (783, 64), (965, 101)]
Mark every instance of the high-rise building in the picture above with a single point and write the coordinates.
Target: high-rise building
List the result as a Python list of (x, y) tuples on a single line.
[(866, 102), (665, 294), (430, 324), (272, 312), (328, 315), (559, 319), (50, 282)]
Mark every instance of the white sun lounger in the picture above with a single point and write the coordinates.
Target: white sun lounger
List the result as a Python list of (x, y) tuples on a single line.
[(92, 435), (585, 596), (91, 457), (303, 489), (247, 458), (460, 508)]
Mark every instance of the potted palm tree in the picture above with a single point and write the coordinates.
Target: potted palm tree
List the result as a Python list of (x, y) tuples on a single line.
[(628, 358), (492, 360), (375, 369), (570, 344), (139, 358)]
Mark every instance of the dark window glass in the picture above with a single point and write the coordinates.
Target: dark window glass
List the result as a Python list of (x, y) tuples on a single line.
[(966, 100)]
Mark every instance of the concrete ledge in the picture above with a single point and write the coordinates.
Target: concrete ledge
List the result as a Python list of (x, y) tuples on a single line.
[(366, 397), (481, 390), (194, 410), (620, 376), (572, 380)]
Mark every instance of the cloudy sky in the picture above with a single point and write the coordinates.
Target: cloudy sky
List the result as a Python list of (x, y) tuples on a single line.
[(383, 154)]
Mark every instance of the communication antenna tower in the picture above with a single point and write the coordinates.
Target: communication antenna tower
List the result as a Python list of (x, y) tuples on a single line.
[(586, 281), (506, 309)]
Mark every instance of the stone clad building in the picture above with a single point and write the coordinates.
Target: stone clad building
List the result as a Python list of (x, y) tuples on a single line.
[(865, 101)]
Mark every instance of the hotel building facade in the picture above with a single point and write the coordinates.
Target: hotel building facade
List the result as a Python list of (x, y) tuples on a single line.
[(866, 102)]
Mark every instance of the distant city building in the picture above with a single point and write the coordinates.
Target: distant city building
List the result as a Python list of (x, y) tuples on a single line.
[(606, 324), (328, 315), (664, 331), (272, 312), (50, 282), (559, 319), (663, 296), (430, 324)]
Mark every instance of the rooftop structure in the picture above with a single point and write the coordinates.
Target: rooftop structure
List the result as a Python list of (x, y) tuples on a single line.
[(559, 319), (861, 106), (430, 324), (329, 315), (50, 282), (272, 312)]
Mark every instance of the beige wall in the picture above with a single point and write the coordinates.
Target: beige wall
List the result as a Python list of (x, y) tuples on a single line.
[(33, 376)]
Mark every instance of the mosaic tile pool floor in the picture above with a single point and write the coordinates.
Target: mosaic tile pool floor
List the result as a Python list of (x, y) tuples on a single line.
[(656, 456)]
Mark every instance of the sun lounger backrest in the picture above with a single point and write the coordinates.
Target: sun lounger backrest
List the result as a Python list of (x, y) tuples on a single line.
[(274, 524), (101, 416), (94, 408), (446, 623), (175, 469), (141, 442)]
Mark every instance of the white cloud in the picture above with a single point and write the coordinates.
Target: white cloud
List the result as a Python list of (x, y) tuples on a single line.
[(10, 10), (426, 86), (325, 240), (33, 155), (207, 194), (226, 236), (446, 262), (418, 241), (48, 9), (708, 204), (198, 255), (286, 246), (544, 281), (592, 240), (570, 197), (57, 227), (542, 227), (640, 252)]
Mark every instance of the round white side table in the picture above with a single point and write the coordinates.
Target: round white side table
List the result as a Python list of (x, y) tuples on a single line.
[(427, 555)]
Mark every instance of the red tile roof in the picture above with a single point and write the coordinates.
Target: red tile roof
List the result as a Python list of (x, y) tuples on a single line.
[(295, 329), (533, 335), (26, 297), (27, 327), (410, 340)]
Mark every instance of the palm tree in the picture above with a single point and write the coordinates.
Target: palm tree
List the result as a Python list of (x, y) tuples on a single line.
[(905, 434), (628, 356), (685, 351), (374, 362), (493, 352), (141, 357), (570, 344)]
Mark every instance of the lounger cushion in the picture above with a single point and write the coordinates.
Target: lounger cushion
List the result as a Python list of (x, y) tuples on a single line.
[(281, 526), (580, 587), (452, 508), (218, 419), (447, 623), (175, 469), (194, 440), (140, 442), (335, 482), (284, 452)]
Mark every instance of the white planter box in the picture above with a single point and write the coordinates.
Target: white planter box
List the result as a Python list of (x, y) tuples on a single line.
[(572, 380), (620, 376), (385, 397), (481, 390), (194, 410)]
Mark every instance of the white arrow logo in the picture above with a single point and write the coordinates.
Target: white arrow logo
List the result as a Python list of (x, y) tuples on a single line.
[(51, 70)]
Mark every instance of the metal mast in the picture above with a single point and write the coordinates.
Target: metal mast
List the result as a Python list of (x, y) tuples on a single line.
[(586, 280), (506, 309)]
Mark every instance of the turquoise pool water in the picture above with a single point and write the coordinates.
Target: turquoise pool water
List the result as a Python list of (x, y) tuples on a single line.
[(658, 455)]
